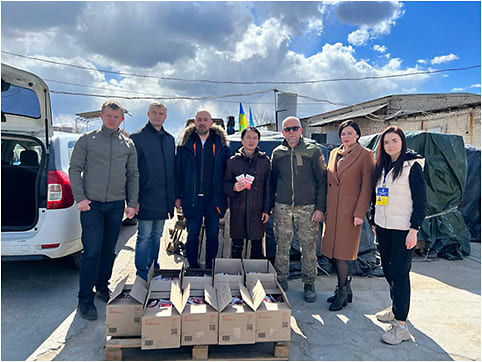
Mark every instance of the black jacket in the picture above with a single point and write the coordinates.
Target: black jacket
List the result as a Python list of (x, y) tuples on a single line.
[(156, 163), (187, 178), (247, 206)]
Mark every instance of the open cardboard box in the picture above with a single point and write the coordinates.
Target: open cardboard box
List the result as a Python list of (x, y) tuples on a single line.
[(199, 322), (162, 279), (233, 273), (259, 269), (123, 315), (161, 326), (273, 320), (198, 278), (237, 323)]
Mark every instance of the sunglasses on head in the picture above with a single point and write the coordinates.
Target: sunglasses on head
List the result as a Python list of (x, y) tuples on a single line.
[(294, 129)]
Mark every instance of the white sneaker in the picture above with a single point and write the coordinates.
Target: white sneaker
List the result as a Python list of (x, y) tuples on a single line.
[(386, 315), (396, 335)]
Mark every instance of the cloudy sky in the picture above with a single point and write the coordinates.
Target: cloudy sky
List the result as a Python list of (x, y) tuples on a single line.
[(229, 42)]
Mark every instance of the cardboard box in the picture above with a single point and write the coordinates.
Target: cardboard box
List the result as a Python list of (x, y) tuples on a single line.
[(161, 326), (273, 320), (237, 323), (162, 279), (198, 278), (228, 272), (199, 322), (259, 269), (123, 315)]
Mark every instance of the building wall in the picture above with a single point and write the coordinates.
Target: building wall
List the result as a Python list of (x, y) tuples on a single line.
[(462, 122)]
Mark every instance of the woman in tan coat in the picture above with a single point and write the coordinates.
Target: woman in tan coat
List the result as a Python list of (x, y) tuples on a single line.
[(349, 170)]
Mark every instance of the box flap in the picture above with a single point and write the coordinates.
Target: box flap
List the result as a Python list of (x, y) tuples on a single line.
[(150, 274), (139, 290), (210, 296), (176, 295), (283, 293), (118, 289), (246, 296), (185, 295), (257, 294), (224, 297), (228, 266)]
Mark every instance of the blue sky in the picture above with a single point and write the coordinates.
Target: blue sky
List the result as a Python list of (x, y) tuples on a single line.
[(242, 41)]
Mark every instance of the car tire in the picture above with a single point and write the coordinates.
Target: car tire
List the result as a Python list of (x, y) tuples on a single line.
[(76, 259)]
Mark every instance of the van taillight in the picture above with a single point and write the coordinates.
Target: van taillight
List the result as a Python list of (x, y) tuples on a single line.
[(59, 192)]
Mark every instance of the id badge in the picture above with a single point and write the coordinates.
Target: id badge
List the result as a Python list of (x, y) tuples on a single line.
[(382, 196)]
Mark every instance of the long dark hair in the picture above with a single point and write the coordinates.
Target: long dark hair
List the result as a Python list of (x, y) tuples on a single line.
[(383, 159)]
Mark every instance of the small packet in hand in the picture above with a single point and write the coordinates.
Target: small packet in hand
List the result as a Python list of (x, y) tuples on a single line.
[(249, 180)]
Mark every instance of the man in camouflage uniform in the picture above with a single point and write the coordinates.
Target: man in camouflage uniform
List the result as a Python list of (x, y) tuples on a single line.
[(299, 183)]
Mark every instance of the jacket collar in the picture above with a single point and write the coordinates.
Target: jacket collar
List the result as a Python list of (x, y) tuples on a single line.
[(218, 132), (300, 143), (109, 131), (151, 128), (242, 153)]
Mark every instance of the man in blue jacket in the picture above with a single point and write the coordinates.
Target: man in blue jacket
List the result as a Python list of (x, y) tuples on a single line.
[(156, 162), (200, 162)]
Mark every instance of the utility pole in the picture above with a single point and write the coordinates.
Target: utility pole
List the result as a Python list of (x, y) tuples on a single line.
[(275, 91)]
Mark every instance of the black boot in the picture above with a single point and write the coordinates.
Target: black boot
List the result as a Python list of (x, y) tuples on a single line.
[(237, 248), (341, 299), (350, 293)]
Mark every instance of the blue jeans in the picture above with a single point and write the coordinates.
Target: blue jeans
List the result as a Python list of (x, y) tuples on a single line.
[(194, 223), (100, 230), (149, 234)]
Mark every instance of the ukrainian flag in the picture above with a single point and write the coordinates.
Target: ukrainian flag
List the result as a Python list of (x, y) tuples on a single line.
[(242, 118), (251, 122)]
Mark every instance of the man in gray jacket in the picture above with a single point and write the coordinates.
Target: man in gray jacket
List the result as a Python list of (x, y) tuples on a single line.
[(103, 174)]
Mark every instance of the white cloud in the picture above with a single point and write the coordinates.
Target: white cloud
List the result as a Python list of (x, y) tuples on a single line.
[(255, 51), (444, 58), (261, 40), (457, 89), (475, 85), (374, 18), (422, 61), (379, 48)]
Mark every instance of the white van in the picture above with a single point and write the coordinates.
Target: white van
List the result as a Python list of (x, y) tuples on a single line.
[(39, 217)]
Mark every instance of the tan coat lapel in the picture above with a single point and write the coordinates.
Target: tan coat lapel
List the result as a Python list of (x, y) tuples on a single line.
[(349, 159)]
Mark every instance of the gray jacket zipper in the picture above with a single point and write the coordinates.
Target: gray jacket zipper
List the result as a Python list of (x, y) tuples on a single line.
[(110, 166)]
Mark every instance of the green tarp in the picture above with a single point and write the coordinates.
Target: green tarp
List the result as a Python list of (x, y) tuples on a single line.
[(444, 228)]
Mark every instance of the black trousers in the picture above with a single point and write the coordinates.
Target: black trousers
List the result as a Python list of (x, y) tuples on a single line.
[(396, 264), (237, 248), (100, 229)]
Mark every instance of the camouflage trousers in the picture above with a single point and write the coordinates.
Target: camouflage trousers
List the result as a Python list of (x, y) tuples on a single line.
[(285, 218)]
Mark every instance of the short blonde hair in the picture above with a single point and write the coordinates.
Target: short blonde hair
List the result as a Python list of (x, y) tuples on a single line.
[(157, 104)]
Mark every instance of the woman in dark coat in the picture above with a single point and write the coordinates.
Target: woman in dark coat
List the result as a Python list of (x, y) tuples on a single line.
[(350, 171), (247, 183)]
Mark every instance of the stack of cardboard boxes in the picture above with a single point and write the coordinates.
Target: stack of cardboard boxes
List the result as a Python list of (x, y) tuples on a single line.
[(241, 302)]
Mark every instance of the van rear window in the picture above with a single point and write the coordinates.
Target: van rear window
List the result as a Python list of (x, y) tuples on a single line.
[(20, 101)]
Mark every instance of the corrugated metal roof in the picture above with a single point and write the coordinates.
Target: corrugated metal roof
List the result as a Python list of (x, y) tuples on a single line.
[(348, 115)]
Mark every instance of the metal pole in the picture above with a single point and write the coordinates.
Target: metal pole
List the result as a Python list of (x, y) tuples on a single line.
[(276, 108)]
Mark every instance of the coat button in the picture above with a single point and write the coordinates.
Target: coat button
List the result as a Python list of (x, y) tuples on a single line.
[(329, 185)]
